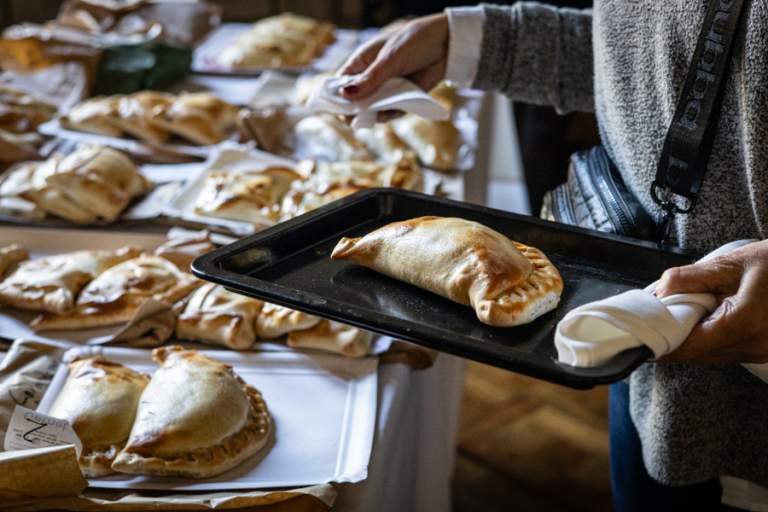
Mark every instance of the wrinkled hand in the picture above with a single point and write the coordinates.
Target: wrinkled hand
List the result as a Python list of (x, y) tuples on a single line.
[(737, 331), (417, 50)]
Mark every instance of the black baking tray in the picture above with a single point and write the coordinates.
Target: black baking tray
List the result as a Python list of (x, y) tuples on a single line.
[(290, 264)]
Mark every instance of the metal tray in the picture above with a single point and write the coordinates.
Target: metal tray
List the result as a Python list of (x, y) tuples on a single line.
[(289, 264)]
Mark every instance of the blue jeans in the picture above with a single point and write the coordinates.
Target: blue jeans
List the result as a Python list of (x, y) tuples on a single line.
[(633, 489)]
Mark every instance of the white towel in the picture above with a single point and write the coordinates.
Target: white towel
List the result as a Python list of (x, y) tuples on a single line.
[(395, 94), (592, 334)]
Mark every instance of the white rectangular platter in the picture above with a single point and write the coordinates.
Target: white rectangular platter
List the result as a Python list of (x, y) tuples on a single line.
[(323, 409)]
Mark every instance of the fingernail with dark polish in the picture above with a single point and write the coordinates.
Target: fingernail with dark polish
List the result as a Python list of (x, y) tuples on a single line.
[(351, 89)]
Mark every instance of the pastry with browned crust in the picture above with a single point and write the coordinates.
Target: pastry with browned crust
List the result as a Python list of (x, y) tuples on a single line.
[(99, 399), (197, 418)]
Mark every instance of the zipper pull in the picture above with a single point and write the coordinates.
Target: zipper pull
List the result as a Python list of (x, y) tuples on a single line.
[(665, 228)]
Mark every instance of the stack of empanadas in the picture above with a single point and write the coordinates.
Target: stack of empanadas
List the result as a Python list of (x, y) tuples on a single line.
[(286, 40), (195, 417), (92, 183), (154, 117)]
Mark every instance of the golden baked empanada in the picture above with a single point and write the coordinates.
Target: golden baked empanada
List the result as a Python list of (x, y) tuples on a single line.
[(95, 115), (52, 283), (182, 251), (200, 117), (437, 143), (196, 418), (100, 179), (275, 321), (117, 293), (330, 336), (216, 315), (245, 196), (507, 283), (285, 40), (99, 399), (323, 176), (136, 111), (51, 199), (10, 256)]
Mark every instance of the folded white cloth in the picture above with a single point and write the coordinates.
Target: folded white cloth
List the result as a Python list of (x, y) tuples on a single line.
[(395, 94), (592, 334)]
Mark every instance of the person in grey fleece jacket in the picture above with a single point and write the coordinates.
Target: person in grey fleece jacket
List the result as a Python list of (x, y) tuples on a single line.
[(699, 414)]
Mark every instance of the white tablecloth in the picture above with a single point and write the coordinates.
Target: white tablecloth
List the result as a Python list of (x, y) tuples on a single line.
[(413, 453)]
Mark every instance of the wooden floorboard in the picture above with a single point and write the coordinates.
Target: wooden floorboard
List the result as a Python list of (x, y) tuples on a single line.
[(528, 445)]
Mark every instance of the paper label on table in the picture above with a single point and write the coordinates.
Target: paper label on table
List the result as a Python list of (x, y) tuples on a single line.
[(30, 429)]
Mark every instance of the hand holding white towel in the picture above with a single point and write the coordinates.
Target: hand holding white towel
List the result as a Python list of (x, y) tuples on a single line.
[(395, 94), (592, 334)]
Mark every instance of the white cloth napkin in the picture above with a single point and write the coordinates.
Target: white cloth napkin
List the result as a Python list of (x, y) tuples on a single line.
[(592, 334), (395, 94)]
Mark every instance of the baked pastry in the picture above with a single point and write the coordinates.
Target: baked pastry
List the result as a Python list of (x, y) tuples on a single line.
[(197, 418), (246, 196), (506, 282), (10, 256), (100, 179), (330, 336), (268, 126), (327, 137), (303, 199), (50, 199), (286, 40), (201, 118), (16, 182), (182, 251), (22, 112), (275, 321), (15, 147), (99, 399), (216, 315), (323, 176), (52, 283), (382, 140), (135, 113), (115, 295), (95, 115), (437, 143)]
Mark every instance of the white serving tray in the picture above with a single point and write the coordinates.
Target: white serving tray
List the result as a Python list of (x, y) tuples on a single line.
[(204, 60), (323, 409)]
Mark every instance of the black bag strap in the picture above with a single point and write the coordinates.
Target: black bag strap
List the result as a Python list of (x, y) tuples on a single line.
[(687, 147)]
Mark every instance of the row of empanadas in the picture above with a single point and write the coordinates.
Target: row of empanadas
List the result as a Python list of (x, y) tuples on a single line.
[(279, 193), (215, 315), (195, 417), (507, 283), (154, 117), (286, 40), (87, 289), (92, 183), (437, 144)]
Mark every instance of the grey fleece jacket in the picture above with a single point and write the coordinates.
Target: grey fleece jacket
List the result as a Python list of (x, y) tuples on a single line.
[(627, 61)]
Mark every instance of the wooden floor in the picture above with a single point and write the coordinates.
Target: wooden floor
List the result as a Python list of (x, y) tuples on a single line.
[(530, 446)]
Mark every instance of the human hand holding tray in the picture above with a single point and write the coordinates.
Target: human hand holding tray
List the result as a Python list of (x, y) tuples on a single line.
[(290, 264)]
